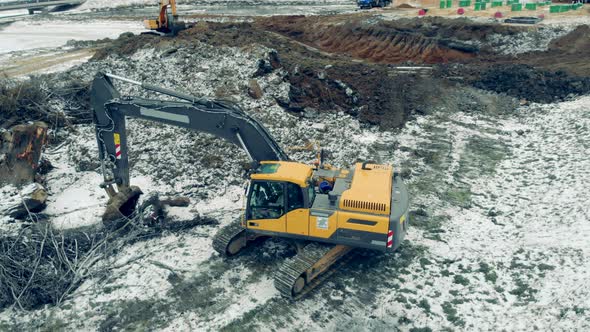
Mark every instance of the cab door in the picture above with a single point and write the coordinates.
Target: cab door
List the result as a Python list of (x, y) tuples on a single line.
[(266, 206), (297, 213)]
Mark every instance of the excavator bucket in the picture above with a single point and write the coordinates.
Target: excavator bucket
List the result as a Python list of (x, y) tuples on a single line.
[(121, 207)]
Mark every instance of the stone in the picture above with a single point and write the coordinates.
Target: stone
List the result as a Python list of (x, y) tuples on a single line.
[(310, 113), (34, 199), (274, 59), (254, 89), (264, 68), (319, 126)]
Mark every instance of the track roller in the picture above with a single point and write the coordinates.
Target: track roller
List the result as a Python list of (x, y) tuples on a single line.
[(314, 263), (230, 239)]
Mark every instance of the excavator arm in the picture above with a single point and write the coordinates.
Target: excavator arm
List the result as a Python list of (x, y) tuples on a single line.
[(219, 118)]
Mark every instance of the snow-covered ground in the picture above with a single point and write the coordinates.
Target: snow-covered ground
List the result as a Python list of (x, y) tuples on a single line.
[(500, 217), (93, 4), (27, 35), (500, 213)]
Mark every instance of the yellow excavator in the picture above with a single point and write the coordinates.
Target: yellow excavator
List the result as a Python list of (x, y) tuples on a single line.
[(325, 212), (167, 22)]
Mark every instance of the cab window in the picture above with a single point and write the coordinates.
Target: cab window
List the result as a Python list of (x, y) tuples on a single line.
[(294, 197), (267, 200), (310, 193)]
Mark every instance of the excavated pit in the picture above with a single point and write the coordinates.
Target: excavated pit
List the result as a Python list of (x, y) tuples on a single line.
[(390, 42), (349, 63)]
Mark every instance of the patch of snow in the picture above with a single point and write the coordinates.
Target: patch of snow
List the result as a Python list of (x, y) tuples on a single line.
[(509, 192), (27, 35), (94, 4), (527, 41)]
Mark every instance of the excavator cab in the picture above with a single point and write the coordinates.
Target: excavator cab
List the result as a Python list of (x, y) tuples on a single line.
[(279, 198)]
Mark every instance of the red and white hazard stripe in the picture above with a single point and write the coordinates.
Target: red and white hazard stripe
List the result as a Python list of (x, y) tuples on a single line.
[(389, 239), (118, 151)]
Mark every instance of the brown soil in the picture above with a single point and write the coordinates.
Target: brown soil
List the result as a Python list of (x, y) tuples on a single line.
[(537, 76), (326, 55), (405, 5), (431, 41), (568, 53)]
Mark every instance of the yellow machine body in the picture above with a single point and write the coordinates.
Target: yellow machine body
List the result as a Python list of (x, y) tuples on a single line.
[(151, 24), (366, 206)]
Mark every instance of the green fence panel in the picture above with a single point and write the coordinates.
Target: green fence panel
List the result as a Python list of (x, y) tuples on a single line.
[(516, 7), (531, 6), (496, 4), (449, 3), (480, 6)]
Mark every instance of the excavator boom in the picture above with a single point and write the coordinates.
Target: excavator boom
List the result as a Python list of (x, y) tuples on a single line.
[(220, 118)]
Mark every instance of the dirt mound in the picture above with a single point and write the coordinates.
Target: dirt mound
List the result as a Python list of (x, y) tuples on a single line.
[(577, 41), (366, 92), (382, 42), (568, 53), (428, 40), (527, 82), (126, 44), (316, 52), (383, 45)]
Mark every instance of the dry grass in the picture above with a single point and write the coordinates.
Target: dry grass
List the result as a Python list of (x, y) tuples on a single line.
[(42, 99)]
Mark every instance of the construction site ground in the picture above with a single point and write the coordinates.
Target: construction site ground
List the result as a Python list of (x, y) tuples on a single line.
[(488, 122)]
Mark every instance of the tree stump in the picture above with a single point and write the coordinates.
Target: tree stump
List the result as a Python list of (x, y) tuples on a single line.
[(20, 151)]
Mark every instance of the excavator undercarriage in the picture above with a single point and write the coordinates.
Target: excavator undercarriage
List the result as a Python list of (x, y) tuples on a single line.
[(298, 275)]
